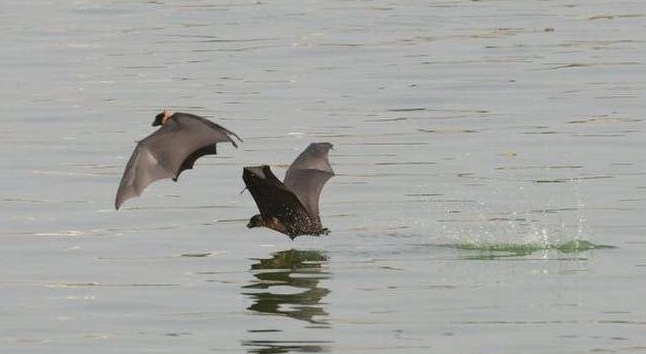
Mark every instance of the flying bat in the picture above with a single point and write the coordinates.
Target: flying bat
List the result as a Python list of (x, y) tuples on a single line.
[(291, 207), (181, 139)]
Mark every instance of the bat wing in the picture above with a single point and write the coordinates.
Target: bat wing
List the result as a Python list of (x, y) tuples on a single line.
[(170, 150), (307, 175), (272, 197), (142, 169)]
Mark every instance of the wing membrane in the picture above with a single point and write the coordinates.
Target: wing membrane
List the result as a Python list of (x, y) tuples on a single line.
[(307, 175), (170, 150)]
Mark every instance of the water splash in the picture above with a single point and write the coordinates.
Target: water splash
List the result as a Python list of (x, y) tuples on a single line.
[(502, 250), (518, 221)]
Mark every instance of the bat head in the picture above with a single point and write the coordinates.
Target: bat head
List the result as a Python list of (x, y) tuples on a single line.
[(256, 221), (162, 117), (272, 223)]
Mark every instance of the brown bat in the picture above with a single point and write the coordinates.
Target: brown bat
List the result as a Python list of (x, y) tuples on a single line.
[(173, 148), (291, 207)]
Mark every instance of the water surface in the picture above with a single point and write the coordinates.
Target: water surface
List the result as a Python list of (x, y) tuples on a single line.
[(475, 143)]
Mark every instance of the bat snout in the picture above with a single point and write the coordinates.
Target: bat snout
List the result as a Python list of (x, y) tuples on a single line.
[(255, 221), (158, 119)]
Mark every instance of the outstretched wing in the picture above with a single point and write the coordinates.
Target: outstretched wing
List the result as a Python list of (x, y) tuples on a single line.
[(272, 197), (308, 174), (142, 169), (170, 150)]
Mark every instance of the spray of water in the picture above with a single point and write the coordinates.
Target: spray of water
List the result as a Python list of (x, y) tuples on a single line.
[(522, 220)]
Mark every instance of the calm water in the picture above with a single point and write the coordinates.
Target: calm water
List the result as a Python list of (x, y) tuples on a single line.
[(476, 142)]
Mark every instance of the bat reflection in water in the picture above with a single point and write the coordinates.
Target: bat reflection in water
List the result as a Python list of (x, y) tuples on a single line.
[(302, 270)]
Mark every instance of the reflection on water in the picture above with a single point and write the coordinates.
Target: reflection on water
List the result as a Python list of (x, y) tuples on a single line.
[(271, 347), (288, 285), (299, 270)]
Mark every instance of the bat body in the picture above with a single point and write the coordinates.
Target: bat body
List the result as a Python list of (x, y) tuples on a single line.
[(181, 139), (291, 207)]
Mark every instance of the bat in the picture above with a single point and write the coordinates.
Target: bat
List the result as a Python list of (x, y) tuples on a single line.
[(181, 139), (291, 207)]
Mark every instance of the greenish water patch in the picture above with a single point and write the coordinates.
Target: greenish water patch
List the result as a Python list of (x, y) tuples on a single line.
[(502, 250)]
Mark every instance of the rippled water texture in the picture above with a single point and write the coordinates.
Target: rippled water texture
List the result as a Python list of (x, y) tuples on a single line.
[(489, 198)]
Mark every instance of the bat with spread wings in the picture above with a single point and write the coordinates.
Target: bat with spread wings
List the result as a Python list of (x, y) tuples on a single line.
[(181, 139), (291, 207)]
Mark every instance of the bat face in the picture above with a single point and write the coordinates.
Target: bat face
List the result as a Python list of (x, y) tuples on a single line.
[(255, 221), (272, 223), (161, 118)]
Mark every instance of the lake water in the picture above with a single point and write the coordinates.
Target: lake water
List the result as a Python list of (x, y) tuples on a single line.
[(486, 153)]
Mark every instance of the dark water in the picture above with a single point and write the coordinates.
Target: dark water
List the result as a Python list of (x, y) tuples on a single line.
[(484, 150)]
